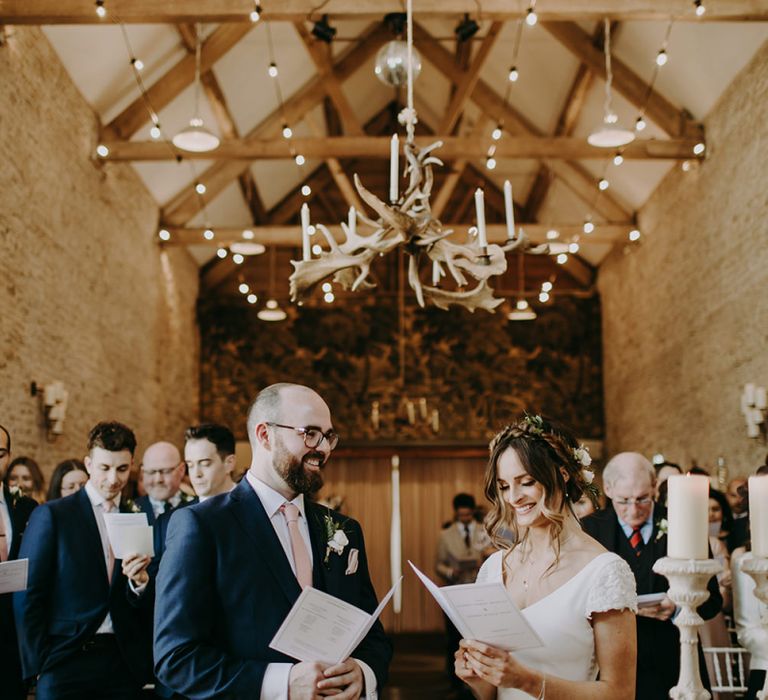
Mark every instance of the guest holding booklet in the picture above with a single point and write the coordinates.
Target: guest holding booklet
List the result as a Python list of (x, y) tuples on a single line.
[(578, 597)]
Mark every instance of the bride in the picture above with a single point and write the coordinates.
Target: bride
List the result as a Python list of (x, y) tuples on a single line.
[(576, 595)]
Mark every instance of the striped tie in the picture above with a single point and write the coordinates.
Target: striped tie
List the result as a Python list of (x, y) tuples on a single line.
[(636, 540)]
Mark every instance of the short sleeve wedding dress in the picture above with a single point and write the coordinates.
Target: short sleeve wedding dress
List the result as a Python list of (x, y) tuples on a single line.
[(562, 618)]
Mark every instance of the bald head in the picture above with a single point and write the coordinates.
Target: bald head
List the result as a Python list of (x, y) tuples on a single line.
[(162, 470)]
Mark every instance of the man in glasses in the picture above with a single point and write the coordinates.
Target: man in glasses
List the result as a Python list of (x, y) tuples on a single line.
[(241, 560), (162, 470), (634, 527)]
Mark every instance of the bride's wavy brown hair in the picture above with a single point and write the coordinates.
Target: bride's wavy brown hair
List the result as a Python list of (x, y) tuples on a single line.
[(545, 449)]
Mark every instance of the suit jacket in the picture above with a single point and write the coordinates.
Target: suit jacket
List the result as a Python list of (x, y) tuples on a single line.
[(68, 594), (145, 505), (453, 553), (160, 528), (658, 642), (19, 510), (224, 561)]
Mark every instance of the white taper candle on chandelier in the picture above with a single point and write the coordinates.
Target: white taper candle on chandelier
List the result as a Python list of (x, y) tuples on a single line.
[(394, 157), (688, 516), (306, 250), (758, 514), (352, 221), (480, 207), (395, 537), (509, 208), (435, 273)]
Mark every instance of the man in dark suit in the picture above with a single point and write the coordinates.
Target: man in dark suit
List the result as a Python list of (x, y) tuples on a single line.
[(634, 528), (240, 560), (15, 510), (162, 471), (82, 629)]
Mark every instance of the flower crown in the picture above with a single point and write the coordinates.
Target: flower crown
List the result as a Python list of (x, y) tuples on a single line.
[(580, 455)]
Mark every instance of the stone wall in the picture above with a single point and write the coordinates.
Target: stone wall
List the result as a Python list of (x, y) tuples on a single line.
[(685, 316), (86, 296)]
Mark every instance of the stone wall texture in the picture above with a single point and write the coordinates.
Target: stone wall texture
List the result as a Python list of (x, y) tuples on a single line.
[(685, 315), (86, 295)]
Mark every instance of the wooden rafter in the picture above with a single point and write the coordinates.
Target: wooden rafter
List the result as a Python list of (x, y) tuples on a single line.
[(151, 11), (377, 147), (226, 124), (184, 206), (181, 76), (671, 119), (574, 175)]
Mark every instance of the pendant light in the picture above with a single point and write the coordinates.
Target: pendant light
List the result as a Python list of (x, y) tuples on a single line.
[(272, 310), (609, 134), (196, 138), (522, 310)]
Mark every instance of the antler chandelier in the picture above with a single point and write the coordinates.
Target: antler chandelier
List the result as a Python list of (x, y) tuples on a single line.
[(407, 222)]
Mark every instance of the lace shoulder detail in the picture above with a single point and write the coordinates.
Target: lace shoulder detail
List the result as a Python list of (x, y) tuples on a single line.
[(490, 571), (612, 587)]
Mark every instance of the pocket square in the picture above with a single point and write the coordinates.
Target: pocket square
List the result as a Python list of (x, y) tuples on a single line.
[(352, 562)]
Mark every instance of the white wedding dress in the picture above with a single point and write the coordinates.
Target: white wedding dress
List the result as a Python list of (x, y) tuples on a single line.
[(562, 618)]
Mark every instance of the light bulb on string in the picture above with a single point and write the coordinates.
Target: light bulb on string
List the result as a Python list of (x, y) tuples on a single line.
[(306, 190), (640, 124), (634, 235), (272, 70), (328, 297), (531, 17), (699, 148), (546, 287), (562, 258), (287, 131), (496, 133), (317, 249), (327, 287), (513, 74), (553, 234), (573, 248), (618, 159), (543, 297), (589, 226), (255, 15), (238, 259), (248, 235), (490, 163), (200, 188), (300, 160), (155, 132), (164, 234), (662, 58), (252, 298), (137, 63), (603, 184), (101, 11), (221, 253), (244, 288), (208, 234), (102, 151), (700, 9)]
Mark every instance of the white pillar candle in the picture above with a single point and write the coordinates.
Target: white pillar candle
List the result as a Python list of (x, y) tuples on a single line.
[(395, 537), (352, 221), (480, 207), (688, 516), (758, 514), (509, 208), (305, 247), (761, 397), (749, 394), (394, 155)]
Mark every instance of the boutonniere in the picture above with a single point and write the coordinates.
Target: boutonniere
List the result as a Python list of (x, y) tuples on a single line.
[(16, 495), (186, 498), (661, 528), (336, 538), (130, 506)]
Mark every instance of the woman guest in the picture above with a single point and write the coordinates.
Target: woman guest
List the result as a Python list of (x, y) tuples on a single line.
[(68, 478), (24, 473), (578, 597)]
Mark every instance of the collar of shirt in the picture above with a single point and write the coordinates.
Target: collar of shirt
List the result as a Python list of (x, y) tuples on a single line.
[(96, 499), (646, 529), (271, 499), (173, 501), (460, 527)]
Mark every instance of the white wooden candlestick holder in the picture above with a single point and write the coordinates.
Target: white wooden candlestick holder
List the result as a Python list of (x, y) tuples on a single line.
[(688, 589), (757, 568)]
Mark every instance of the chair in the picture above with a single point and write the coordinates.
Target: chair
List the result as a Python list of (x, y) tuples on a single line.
[(731, 669)]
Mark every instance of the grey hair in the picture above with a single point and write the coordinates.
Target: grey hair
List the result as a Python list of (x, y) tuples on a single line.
[(616, 468), (267, 406)]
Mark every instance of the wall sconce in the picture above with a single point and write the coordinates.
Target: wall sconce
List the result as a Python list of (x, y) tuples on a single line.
[(54, 399), (754, 401)]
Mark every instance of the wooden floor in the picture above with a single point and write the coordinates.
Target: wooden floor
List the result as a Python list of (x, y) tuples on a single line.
[(418, 669)]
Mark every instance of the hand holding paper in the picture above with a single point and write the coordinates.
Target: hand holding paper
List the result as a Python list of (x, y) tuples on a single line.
[(13, 575)]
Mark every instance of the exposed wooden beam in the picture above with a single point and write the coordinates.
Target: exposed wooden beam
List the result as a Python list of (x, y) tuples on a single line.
[(182, 75), (227, 127), (468, 80), (671, 119), (377, 147), (605, 234), (152, 11), (577, 178), (219, 175), (320, 54)]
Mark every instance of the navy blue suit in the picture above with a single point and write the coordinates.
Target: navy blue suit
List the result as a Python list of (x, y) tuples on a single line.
[(68, 594), (11, 678), (225, 586), (145, 504)]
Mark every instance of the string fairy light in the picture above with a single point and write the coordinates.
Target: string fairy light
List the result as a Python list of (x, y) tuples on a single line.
[(662, 58)]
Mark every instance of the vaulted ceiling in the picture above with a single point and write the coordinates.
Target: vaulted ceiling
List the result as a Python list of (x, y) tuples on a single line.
[(342, 116)]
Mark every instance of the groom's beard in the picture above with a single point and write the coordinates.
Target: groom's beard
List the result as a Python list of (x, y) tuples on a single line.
[(293, 472)]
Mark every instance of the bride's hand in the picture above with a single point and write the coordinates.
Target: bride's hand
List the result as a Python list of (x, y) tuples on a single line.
[(464, 672), (498, 667)]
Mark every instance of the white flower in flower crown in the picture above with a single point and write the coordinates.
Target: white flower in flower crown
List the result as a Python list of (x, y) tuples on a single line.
[(588, 475), (582, 456)]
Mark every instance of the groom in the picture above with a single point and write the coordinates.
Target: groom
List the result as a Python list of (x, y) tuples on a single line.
[(235, 564)]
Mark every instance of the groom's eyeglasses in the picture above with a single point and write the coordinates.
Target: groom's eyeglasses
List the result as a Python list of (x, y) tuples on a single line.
[(312, 436)]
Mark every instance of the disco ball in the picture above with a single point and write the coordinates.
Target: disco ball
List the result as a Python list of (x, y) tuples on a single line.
[(392, 63)]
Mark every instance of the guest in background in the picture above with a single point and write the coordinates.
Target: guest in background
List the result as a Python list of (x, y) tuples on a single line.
[(583, 507), (68, 478), (663, 471), (24, 473), (83, 631), (162, 470), (15, 510), (739, 501)]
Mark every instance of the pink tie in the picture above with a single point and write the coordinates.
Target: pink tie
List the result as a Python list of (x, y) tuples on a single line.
[(298, 547), (108, 507), (4, 544)]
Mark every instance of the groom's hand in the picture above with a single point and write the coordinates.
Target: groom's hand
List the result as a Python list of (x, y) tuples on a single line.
[(303, 681), (344, 681)]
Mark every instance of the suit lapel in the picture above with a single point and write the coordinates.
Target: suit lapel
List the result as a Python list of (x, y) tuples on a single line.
[(252, 517), (16, 525), (93, 537), (317, 536)]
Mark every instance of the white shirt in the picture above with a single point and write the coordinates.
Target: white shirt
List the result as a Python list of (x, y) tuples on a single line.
[(277, 675), (158, 507), (5, 514)]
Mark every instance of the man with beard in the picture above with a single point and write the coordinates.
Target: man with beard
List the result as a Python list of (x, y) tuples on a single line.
[(234, 566)]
